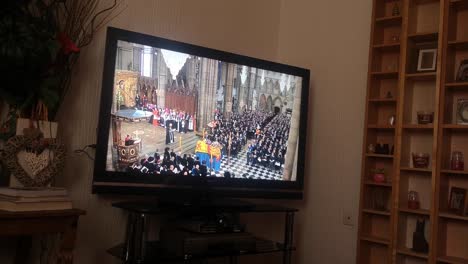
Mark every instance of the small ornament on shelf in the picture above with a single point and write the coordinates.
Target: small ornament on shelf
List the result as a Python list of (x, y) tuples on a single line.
[(389, 95), (425, 117), (391, 120), (462, 74), (392, 67), (413, 200), (420, 160), (378, 175), (383, 149), (462, 111), (396, 9), (419, 240), (395, 38), (371, 148), (457, 200), (457, 161)]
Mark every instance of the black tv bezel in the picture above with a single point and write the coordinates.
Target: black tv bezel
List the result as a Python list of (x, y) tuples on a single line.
[(123, 183)]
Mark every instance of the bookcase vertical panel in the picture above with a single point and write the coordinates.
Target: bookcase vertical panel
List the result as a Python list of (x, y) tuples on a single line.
[(400, 38)]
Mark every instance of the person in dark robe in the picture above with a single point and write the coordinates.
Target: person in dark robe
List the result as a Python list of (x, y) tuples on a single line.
[(190, 162), (169, 134), (137, 101), (185, 172), (166, 157), (203, 169), (170, 171), (127, 140), (196, 170)]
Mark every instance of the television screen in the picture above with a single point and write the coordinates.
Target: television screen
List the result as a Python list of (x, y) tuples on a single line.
[(176, 115)]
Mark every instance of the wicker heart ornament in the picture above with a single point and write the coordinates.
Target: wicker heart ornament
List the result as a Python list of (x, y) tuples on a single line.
[(41, 169)]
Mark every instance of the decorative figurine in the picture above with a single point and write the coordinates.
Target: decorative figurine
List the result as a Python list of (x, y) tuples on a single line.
[(413, 200), (396, 9), (419, 241), (420, 160), (425, 117), (391, 120), (371, 148), (389, 95), (383, 149), (457, 162)]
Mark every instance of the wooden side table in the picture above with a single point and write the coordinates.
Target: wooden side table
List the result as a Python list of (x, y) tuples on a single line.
[(27, 224)]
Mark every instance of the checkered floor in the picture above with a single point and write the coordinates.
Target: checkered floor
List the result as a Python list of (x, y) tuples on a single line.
[(238, 166)]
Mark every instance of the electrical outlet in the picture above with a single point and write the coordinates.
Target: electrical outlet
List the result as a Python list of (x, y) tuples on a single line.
[(348, 219)]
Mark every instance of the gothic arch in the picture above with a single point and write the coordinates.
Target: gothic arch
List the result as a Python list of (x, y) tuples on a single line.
[(276, 88), (278, 102), (269, 106), (263, 102)]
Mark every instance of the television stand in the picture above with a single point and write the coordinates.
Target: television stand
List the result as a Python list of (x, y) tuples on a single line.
[(137, 249), (205, 202)]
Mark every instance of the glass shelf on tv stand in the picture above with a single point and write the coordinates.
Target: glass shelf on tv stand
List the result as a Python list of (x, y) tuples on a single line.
[(143, 251), (155, 253)]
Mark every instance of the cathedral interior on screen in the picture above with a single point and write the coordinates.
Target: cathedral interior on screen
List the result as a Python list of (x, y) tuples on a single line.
[(179, 114)]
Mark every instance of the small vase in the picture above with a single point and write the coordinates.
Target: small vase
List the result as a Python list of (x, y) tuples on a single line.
[(379, 177)]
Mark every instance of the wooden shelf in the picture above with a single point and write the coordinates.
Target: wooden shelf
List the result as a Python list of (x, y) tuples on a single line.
[(452, 260), (422, 76), (417, 126), (385, 74), (454, 172), (376, 126), (387, 47), (383, 184), (455, 126), (414, 211), (392, 70), (424, 37), (458, 44), (457, 85), (389, 20), (409, 252), (453, 216), (377, 240), (382, 100), (380, 156), (376, 212), (415, 169)]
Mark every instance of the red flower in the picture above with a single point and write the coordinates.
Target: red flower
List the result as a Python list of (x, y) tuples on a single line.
[(67, 44)]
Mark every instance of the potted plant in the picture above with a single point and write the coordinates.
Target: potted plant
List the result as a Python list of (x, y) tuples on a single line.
[(40, 42)]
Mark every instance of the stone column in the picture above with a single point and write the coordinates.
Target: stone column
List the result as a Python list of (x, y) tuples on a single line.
[(162, 79), (207, 92), (291, 153), (241, 95), (251, 86), (136, 59), (229, 87)]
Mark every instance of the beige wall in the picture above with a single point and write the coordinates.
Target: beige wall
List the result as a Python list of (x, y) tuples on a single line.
[(331, 38), (328, 37)]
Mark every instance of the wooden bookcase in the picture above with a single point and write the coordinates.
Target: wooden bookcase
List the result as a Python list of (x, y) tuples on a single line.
[(397, 90)]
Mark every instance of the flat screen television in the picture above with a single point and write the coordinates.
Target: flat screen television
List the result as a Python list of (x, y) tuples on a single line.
[(177, 119)]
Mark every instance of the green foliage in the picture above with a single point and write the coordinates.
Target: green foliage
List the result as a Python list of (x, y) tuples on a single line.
[(28, 51)]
